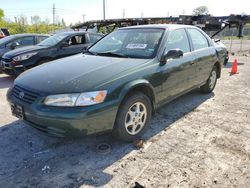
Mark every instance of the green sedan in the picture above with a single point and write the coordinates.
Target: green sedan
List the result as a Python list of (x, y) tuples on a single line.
[(117, 83)]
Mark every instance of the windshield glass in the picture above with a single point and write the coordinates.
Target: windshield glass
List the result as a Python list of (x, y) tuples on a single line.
[(132, 43), (53, 40)]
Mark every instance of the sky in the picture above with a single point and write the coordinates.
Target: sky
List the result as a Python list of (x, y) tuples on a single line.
[(73, 11)]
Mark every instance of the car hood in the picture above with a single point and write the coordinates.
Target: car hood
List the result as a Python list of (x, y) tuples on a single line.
[(22, 50), (77, 73)]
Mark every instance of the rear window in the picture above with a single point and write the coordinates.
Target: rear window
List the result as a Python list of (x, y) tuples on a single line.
[(5, 31)]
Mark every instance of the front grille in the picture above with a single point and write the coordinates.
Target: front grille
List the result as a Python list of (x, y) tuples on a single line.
[(24, 95)]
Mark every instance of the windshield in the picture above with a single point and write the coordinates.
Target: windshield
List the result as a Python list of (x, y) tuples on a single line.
[(129, 43), (53, 40)]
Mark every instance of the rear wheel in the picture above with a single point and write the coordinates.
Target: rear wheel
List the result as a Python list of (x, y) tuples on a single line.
[(209, 86), (133, 117)]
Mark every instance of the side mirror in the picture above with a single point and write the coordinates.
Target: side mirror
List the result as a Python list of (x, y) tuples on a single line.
[(171, 54), (65, 44), (13, 45), (85, 48)]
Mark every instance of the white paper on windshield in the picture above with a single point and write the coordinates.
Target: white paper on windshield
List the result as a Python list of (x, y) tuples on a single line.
[(136, 46)]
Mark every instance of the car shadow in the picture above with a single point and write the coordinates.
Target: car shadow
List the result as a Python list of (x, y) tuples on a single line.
[(6, 81), (30, 158)]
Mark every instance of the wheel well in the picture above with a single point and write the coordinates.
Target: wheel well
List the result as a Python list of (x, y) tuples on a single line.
[(145, 90), (218, 66)]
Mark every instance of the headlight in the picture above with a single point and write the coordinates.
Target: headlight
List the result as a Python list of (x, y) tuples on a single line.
[(76, 99), (24, 56)]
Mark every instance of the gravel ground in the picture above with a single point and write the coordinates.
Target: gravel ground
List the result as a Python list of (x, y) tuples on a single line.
[(195, 141)]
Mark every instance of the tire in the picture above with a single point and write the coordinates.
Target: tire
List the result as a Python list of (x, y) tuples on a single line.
[(133, 117), (209, 86)]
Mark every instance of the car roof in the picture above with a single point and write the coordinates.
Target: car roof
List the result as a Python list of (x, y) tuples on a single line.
[(76, 32), (158, 26)]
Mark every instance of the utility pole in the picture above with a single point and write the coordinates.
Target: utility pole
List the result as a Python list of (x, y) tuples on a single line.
[(54, 13), (123, 13), (104, 9), (83, 17)]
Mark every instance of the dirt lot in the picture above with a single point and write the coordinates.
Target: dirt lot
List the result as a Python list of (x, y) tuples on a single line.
[(195, 141)]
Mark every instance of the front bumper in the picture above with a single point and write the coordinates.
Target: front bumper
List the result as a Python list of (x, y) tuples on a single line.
[(62, 122), (8, 68)]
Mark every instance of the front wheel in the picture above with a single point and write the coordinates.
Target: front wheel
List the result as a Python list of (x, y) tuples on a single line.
[(209, 86), (133, 117)]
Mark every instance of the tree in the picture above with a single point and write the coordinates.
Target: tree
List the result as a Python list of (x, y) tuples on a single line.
[(35, 19), (63, 22), (201, 10), (1, 14)]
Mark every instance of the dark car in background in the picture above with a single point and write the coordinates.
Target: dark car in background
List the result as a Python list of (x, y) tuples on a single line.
[(57, 46), (118, 82), (19, 40), (4, 32)]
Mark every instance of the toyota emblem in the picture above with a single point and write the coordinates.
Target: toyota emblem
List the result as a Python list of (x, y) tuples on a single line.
[(21, 95)]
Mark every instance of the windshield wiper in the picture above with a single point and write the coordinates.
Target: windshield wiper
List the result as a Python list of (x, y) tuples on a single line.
[(87, 51), (112, 54)]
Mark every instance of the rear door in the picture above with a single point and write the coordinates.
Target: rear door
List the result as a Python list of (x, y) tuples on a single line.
[(178, 74), (205, 54)]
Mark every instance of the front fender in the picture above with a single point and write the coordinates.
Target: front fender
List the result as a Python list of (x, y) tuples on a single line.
[(135, 84)]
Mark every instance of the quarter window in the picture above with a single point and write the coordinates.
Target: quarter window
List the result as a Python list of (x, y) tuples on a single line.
[(41, 38), (178, 39), (198, 39)]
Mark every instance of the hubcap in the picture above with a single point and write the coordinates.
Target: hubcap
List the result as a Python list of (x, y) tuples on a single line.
[(212, 79), (135, 118)]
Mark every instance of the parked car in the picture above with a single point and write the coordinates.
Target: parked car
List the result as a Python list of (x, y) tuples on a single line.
[(19, 40), (54, 47), (4, 32), (117, 83)]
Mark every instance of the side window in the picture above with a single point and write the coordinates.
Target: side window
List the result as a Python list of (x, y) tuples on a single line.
[(178, 39), (77, 40), (198, 39), (25, 41), (41, 38), (94, 38)]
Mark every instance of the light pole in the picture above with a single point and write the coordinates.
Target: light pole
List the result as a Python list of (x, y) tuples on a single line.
[(104, 9)]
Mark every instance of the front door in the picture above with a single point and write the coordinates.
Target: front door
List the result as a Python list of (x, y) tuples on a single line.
[(76, 45), (178, 74)]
